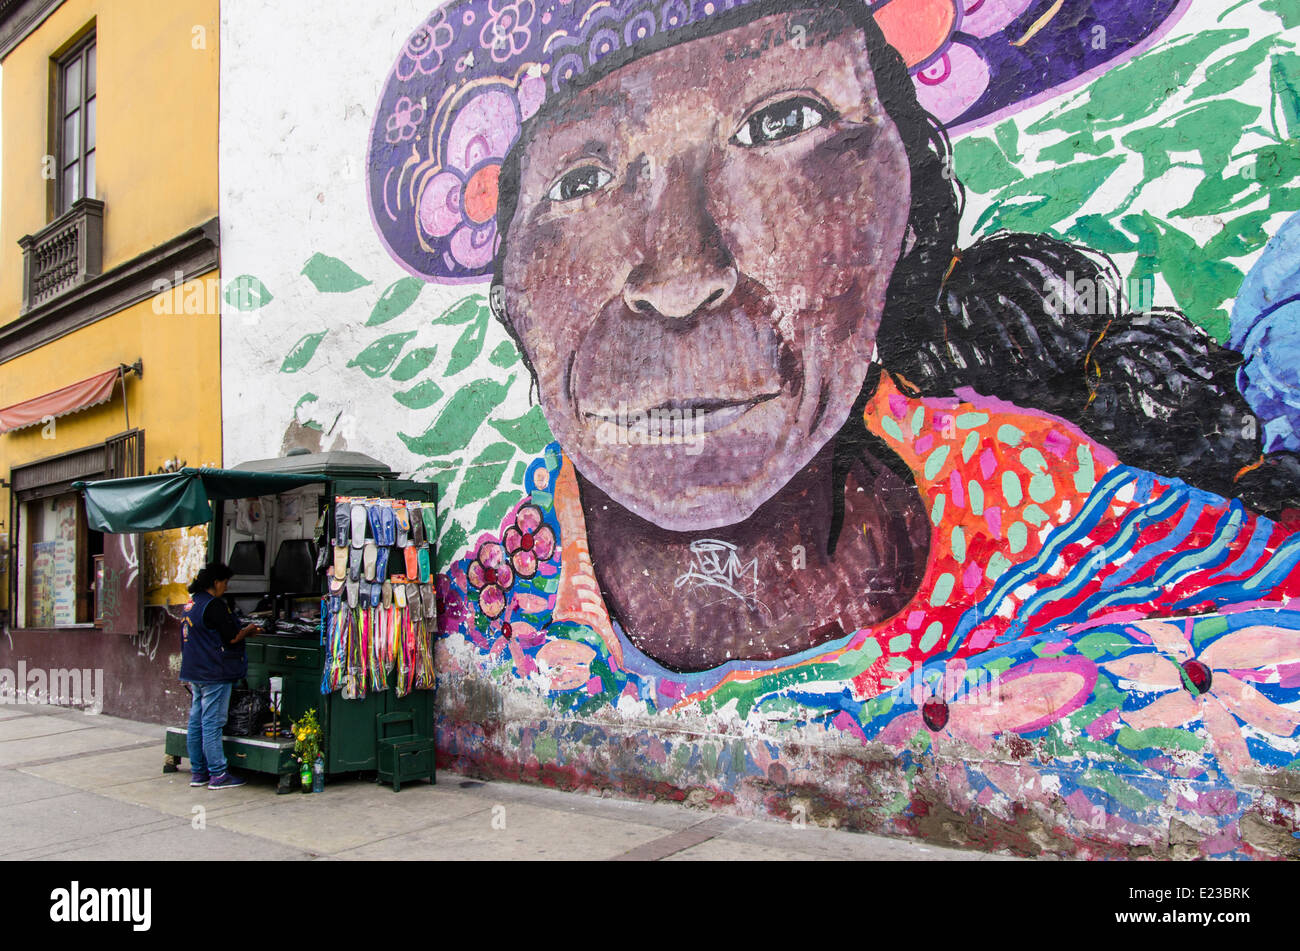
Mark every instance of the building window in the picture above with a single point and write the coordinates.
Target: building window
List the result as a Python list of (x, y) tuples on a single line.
[(76, 129), (55, 551), (59, 562)]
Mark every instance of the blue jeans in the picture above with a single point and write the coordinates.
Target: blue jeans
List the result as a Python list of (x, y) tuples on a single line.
[(208, 712)]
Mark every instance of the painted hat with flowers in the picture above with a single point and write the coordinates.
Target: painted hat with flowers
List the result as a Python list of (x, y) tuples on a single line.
[(475, 71)]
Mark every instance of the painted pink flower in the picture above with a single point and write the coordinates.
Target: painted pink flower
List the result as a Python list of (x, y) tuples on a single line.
[(403, 122), (1023, 699), (1213, 686), (491, 573), (528, 541), (460, 200), (423, 51), (506, 31)]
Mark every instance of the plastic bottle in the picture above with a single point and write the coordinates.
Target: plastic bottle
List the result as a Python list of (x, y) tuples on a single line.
[(318, 775)]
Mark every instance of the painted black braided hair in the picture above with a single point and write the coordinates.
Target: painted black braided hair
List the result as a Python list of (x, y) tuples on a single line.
[(1000, 318)]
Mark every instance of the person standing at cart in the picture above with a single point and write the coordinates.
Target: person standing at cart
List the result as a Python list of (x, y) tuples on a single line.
[(212, 660)]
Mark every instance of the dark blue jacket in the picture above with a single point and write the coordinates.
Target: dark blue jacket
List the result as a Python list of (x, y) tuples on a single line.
[(207, 654)]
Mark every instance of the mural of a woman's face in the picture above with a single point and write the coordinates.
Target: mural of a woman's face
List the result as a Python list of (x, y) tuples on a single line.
[(706, 235)]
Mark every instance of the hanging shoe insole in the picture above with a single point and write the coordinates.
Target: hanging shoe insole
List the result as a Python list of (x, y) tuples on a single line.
[(430, 516), (417, 527), (403, 526), (353, 593), (370, 553), (412, 561), (365, 596), (386, 594), (340, 560), (381, 566), (376, 522), (342, 522), (413, 600), (429, 597), (389, 525), (354, 564), (422, 562), (376, 593), (358, 525), (399, 596)]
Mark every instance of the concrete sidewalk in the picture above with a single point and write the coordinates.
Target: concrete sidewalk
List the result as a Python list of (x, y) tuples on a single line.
[(79, 787)]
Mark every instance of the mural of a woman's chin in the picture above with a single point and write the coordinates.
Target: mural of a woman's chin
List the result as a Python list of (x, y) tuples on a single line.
[(697, 264)]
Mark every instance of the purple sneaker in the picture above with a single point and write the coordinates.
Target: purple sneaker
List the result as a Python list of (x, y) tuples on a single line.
[(200, 778), (226, 780)]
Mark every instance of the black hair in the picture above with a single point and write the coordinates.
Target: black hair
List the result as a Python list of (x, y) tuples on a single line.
[(999, 318), (209, 575)]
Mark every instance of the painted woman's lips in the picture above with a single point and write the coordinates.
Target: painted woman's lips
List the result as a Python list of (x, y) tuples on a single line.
[(682, 417)]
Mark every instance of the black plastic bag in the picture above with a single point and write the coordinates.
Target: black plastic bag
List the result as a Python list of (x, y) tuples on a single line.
[(250, 710)]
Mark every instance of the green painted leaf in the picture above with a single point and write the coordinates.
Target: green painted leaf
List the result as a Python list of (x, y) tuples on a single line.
[(459, 419), (302, 353), (981, 166), (1200, 283), (1085, 143), (421, 396), (505, 355), (1230, 73), (1008, 136), (1240, 236), (479, 482), (376, 359), (395, 300), (452, 545), (463, 311), (332, 276), (302, 400), (1211, 129), (414, 363), (469, 346), (1097, 232), (247, 293), (1285, 79), (529, 432), (497, 452), (1049, 197), (1286, 10), (489, 518)]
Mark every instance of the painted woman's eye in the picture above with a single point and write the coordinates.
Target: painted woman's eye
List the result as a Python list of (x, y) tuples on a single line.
[(781, 120), (579, 182)]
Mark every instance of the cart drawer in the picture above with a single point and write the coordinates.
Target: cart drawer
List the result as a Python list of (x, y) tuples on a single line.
[(278, 656)]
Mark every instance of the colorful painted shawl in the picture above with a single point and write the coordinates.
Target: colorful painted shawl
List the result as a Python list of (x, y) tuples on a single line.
[(1095, 615)]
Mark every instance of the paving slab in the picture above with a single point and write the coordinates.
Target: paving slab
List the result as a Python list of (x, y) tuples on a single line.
[(530, 832), (15, 752), (27, 727), (9, 711), (16, 787), (666, 815), (42, 824), (173, 795), (347, 815), (101, 770), (729, 850), (178, 841)]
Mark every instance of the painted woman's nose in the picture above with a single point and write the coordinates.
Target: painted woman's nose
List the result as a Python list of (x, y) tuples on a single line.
[(686, 267)]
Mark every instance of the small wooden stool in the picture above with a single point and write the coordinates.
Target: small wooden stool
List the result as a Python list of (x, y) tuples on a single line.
[(402, 758)]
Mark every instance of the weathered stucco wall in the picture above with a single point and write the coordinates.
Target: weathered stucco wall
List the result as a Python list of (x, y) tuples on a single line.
[(790, 460)]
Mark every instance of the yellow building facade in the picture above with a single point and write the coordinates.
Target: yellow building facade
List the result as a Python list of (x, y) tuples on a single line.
[(109, 309)]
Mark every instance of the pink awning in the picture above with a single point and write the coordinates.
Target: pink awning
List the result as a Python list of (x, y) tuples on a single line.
[(71, 399)]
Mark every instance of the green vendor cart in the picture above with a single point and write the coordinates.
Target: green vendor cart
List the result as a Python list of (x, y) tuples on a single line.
[(269, 521)]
